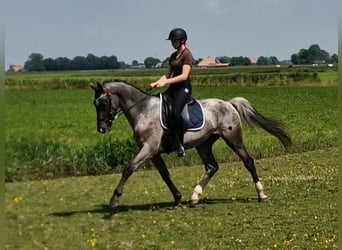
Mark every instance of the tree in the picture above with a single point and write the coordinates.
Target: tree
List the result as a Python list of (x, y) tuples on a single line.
[(198, 61), (334, 58), (240, 61), (303, 56), (63, 63), (92, 61), (150, 62), (273, 60), (49, 64), (262, 60), (295, 59), (79, 63), (135, 63), (165, 63), (224, 59), (316, 53), (35, 62), (310, 55)]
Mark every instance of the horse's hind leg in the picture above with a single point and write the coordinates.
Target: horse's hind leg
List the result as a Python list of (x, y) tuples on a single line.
[(211, 167), (161, 166), (236, 143)]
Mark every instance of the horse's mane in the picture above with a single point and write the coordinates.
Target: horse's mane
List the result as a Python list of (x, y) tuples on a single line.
[(125, 82)]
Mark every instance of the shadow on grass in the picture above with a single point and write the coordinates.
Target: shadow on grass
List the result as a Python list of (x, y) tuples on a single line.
[(108, 212)]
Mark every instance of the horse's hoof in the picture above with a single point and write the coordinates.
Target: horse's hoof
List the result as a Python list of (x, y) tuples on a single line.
[(264, 199), (176, 206), (110, 212), (193, 203)]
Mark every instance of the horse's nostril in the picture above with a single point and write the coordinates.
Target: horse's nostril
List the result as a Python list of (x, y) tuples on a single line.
[(102, 130)]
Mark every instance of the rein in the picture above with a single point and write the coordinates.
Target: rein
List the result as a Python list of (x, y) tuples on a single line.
[(114, 114)]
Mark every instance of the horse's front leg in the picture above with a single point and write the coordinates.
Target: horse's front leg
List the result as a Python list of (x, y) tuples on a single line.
[(143, 155), (161, 166)]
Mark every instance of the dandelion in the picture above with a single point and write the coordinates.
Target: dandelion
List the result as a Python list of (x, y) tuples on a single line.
[(18, 199), (92, 242), (172, 242)]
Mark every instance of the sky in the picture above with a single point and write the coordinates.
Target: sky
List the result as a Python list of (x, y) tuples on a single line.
[(136, 29)]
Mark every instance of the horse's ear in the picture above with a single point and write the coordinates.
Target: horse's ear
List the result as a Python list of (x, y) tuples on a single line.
[(93, 86), (97, 87)]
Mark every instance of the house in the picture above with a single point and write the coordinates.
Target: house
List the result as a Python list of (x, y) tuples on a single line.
[(253, 60), (211, 62), (16, 68)]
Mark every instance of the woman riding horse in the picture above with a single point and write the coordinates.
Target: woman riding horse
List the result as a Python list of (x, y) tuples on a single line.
[(177, 77)]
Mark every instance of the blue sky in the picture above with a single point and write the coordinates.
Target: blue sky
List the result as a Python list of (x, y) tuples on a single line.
[(136, 29)]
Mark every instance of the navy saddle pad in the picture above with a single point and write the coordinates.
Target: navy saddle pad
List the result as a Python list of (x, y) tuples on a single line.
[(192, 114)]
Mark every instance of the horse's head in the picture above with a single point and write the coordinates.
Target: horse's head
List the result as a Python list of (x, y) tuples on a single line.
[(107, 107)]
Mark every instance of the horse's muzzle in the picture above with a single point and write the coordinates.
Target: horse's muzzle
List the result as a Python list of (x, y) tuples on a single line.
[(102, 130)]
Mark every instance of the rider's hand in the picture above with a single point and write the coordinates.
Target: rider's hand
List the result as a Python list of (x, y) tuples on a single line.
[(158, 84)]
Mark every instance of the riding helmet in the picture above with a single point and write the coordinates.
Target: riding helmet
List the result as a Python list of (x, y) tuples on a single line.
[(177, 34)]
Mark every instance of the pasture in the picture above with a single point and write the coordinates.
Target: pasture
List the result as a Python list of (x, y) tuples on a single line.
[(301, 212), (51, 133)]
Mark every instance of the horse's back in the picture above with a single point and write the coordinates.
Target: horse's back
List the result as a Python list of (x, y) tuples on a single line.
[(219, 113)]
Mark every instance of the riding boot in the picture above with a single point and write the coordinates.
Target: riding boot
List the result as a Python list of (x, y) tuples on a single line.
[(179, 135)]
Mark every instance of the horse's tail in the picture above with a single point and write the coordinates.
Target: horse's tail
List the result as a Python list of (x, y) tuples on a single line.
[(253, 118)]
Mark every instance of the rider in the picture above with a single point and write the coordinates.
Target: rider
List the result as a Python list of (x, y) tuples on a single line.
[(177, 78)]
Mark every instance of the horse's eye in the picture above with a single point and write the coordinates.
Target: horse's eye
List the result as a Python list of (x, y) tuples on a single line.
[(100, 104)]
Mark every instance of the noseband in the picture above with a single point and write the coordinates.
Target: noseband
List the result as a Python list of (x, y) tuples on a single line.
[(113, 113)]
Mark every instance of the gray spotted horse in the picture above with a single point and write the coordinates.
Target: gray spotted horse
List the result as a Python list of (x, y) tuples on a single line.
[(217, 119)]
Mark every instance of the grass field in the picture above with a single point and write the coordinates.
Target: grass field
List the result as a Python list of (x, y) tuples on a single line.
[(51, 133), (301, 212)]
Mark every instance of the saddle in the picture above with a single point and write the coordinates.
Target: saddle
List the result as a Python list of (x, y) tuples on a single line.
[(192, 114)]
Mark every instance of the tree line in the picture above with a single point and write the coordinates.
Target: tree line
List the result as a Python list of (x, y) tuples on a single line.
[(37, 62)]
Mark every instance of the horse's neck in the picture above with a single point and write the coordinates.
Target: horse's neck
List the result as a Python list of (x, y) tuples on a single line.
[(133, 102), (130, 97)]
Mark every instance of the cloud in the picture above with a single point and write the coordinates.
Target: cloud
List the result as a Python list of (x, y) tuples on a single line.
[(96, 33), (213, 6)]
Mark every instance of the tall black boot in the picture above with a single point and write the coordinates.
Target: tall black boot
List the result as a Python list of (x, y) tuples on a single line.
[(179, 135)]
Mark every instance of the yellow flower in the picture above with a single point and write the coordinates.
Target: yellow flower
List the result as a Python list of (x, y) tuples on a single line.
[(18, 199), (92, 242)]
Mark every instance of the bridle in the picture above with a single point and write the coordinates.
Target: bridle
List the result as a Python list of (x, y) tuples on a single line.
[(115, 112)]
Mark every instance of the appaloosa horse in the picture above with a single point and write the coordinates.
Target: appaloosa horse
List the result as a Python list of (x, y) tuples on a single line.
[(222, 119)]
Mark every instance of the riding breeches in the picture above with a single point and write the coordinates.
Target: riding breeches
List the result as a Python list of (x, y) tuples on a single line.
[(179, 97)]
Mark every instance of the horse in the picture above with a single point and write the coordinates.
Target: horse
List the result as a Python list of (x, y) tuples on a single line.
[(223, 119)]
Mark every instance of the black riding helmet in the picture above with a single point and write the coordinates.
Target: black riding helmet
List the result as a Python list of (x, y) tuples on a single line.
[(177, 34)]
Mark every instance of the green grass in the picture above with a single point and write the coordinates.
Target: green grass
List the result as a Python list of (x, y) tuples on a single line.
[(301, 212), (250, 75), (52, 133)]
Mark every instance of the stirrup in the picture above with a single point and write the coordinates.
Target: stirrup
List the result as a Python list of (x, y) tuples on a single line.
[(180, 151)]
